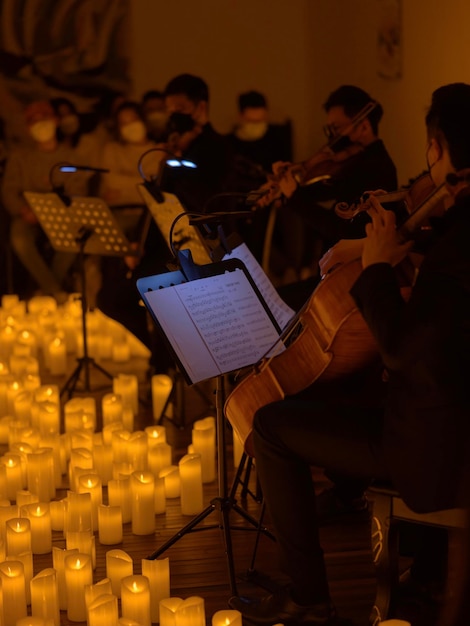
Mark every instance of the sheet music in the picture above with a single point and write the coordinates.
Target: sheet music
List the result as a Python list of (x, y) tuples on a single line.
[(215, 325), (281, 312)]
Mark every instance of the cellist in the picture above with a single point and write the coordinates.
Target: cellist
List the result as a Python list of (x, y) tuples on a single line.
[(418, 436)]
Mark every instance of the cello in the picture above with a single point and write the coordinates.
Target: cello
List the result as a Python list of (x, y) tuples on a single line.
[(334, 340)]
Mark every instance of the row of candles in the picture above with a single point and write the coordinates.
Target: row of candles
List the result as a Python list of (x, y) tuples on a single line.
[(136, 468)]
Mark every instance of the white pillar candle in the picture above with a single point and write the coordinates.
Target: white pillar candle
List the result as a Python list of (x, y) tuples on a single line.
[(78, 573), (31, 620), (5, 422), (81, 438), (110, 530), (108, 431), (118, 565), (156, 434), (48, 417), (179, 612), (18, 364), (80, 413), (120, 443), (171, 474), (27, 337), (18, 536), (137, 450), (227, 618), (83, 541), (57, 349), (22, 405), (111, 408), (13, 388), (158, 573), (9, 301), (7, 339), (159, 456), (41, 531), (91, 483), (127, 386), (191, 484), (103, 610), (13, 474), (103, 462), (45, 596), (47, 393), (40, 474), (143, 503), (7, 511), (13, 592), (160, 495), (203, 438), (119, 494), (161, 386), (58, 563), (31, 382), (52, 441), (79, 515), (58, 512), (26, 558), (94, 591), (25, 497), (80, 458), (135, 599)]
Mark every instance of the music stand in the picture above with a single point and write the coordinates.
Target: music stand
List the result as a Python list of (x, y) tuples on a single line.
[(87, 226), (182, 304)]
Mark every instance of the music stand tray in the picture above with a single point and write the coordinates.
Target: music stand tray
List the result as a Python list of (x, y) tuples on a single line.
[(87, 226)]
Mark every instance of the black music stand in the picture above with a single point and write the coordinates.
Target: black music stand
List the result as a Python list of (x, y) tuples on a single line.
[(178, 301), (87, 226)]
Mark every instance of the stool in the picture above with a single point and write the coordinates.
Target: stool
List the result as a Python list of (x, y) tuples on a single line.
[(387, 511)]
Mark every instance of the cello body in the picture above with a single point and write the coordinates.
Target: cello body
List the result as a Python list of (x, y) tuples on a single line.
[(334, 341)]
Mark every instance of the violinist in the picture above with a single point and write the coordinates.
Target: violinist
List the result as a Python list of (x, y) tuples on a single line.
[(416, 434), (358, 161)]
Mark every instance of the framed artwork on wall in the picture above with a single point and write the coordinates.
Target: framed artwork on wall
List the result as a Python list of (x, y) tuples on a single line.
[(389, 39)]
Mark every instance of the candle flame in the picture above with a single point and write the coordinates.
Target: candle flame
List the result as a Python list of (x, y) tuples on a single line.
[(38, 510), (135, 586)]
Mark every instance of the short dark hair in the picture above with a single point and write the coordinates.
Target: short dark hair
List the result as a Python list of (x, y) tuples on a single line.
[(448, 119), (152, 94), (251, 99), (353, 99), (191, 86)]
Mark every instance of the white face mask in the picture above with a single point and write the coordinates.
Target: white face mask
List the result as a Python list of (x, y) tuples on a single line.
[(134, 132), (251, 131), (69, 124), (43, 131)]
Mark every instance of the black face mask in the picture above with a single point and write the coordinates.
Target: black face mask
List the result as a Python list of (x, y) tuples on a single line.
[(341, 143)]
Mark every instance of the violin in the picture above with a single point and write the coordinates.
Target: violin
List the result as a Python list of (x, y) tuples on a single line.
[(412, 194), (325, 164)]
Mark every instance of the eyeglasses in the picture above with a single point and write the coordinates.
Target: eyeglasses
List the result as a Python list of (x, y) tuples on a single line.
[(331, 130)]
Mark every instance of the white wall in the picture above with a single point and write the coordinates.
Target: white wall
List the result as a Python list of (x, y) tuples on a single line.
[(297, 52)]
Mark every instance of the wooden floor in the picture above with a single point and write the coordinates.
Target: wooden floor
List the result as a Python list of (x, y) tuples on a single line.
[(198, 560)]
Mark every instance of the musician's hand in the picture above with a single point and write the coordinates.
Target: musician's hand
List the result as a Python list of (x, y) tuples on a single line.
[(383, 243), (283, 172), (344, 251)]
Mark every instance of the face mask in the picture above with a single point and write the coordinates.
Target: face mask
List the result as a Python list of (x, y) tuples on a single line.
[(69, 124), (135, 132), (43, 131), (251, 131)]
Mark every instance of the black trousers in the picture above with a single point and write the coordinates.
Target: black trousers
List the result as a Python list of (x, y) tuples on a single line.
[(324, 426)]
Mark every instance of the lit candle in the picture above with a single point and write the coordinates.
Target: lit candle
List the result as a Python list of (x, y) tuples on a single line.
[(45, 596), (103, 462), (58, 563), (26, 558), (135, 599), (13, 591), (31, 620), (13, 474), (143, 503), (158, 573), (179, 612), (91, 483), (120, 443), (5, 422), (108, 430), (7, 339), (109, 524), (102, 610), (13, 388), (78, 573), (40, 474), (41, 531), (171, 474), (28, 338), (7, 511), (159, 457), (52, 442), (137, 450), (47, 393), (79, 516), (203, 438), (58, 512), (118, 565), (126, 385), (57, 356), (111, 407), (80, 458), (83, 541), (18, 536), (227, 618), (156, 434), (48, 417), (80, 413), (119, 494), (161, 385), (22, 405), (191, 484)]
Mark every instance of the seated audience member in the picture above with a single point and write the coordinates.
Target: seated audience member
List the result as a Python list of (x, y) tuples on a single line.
[(256, 143), (415, 431), (155, 115), (30, 168), (189, 94)]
